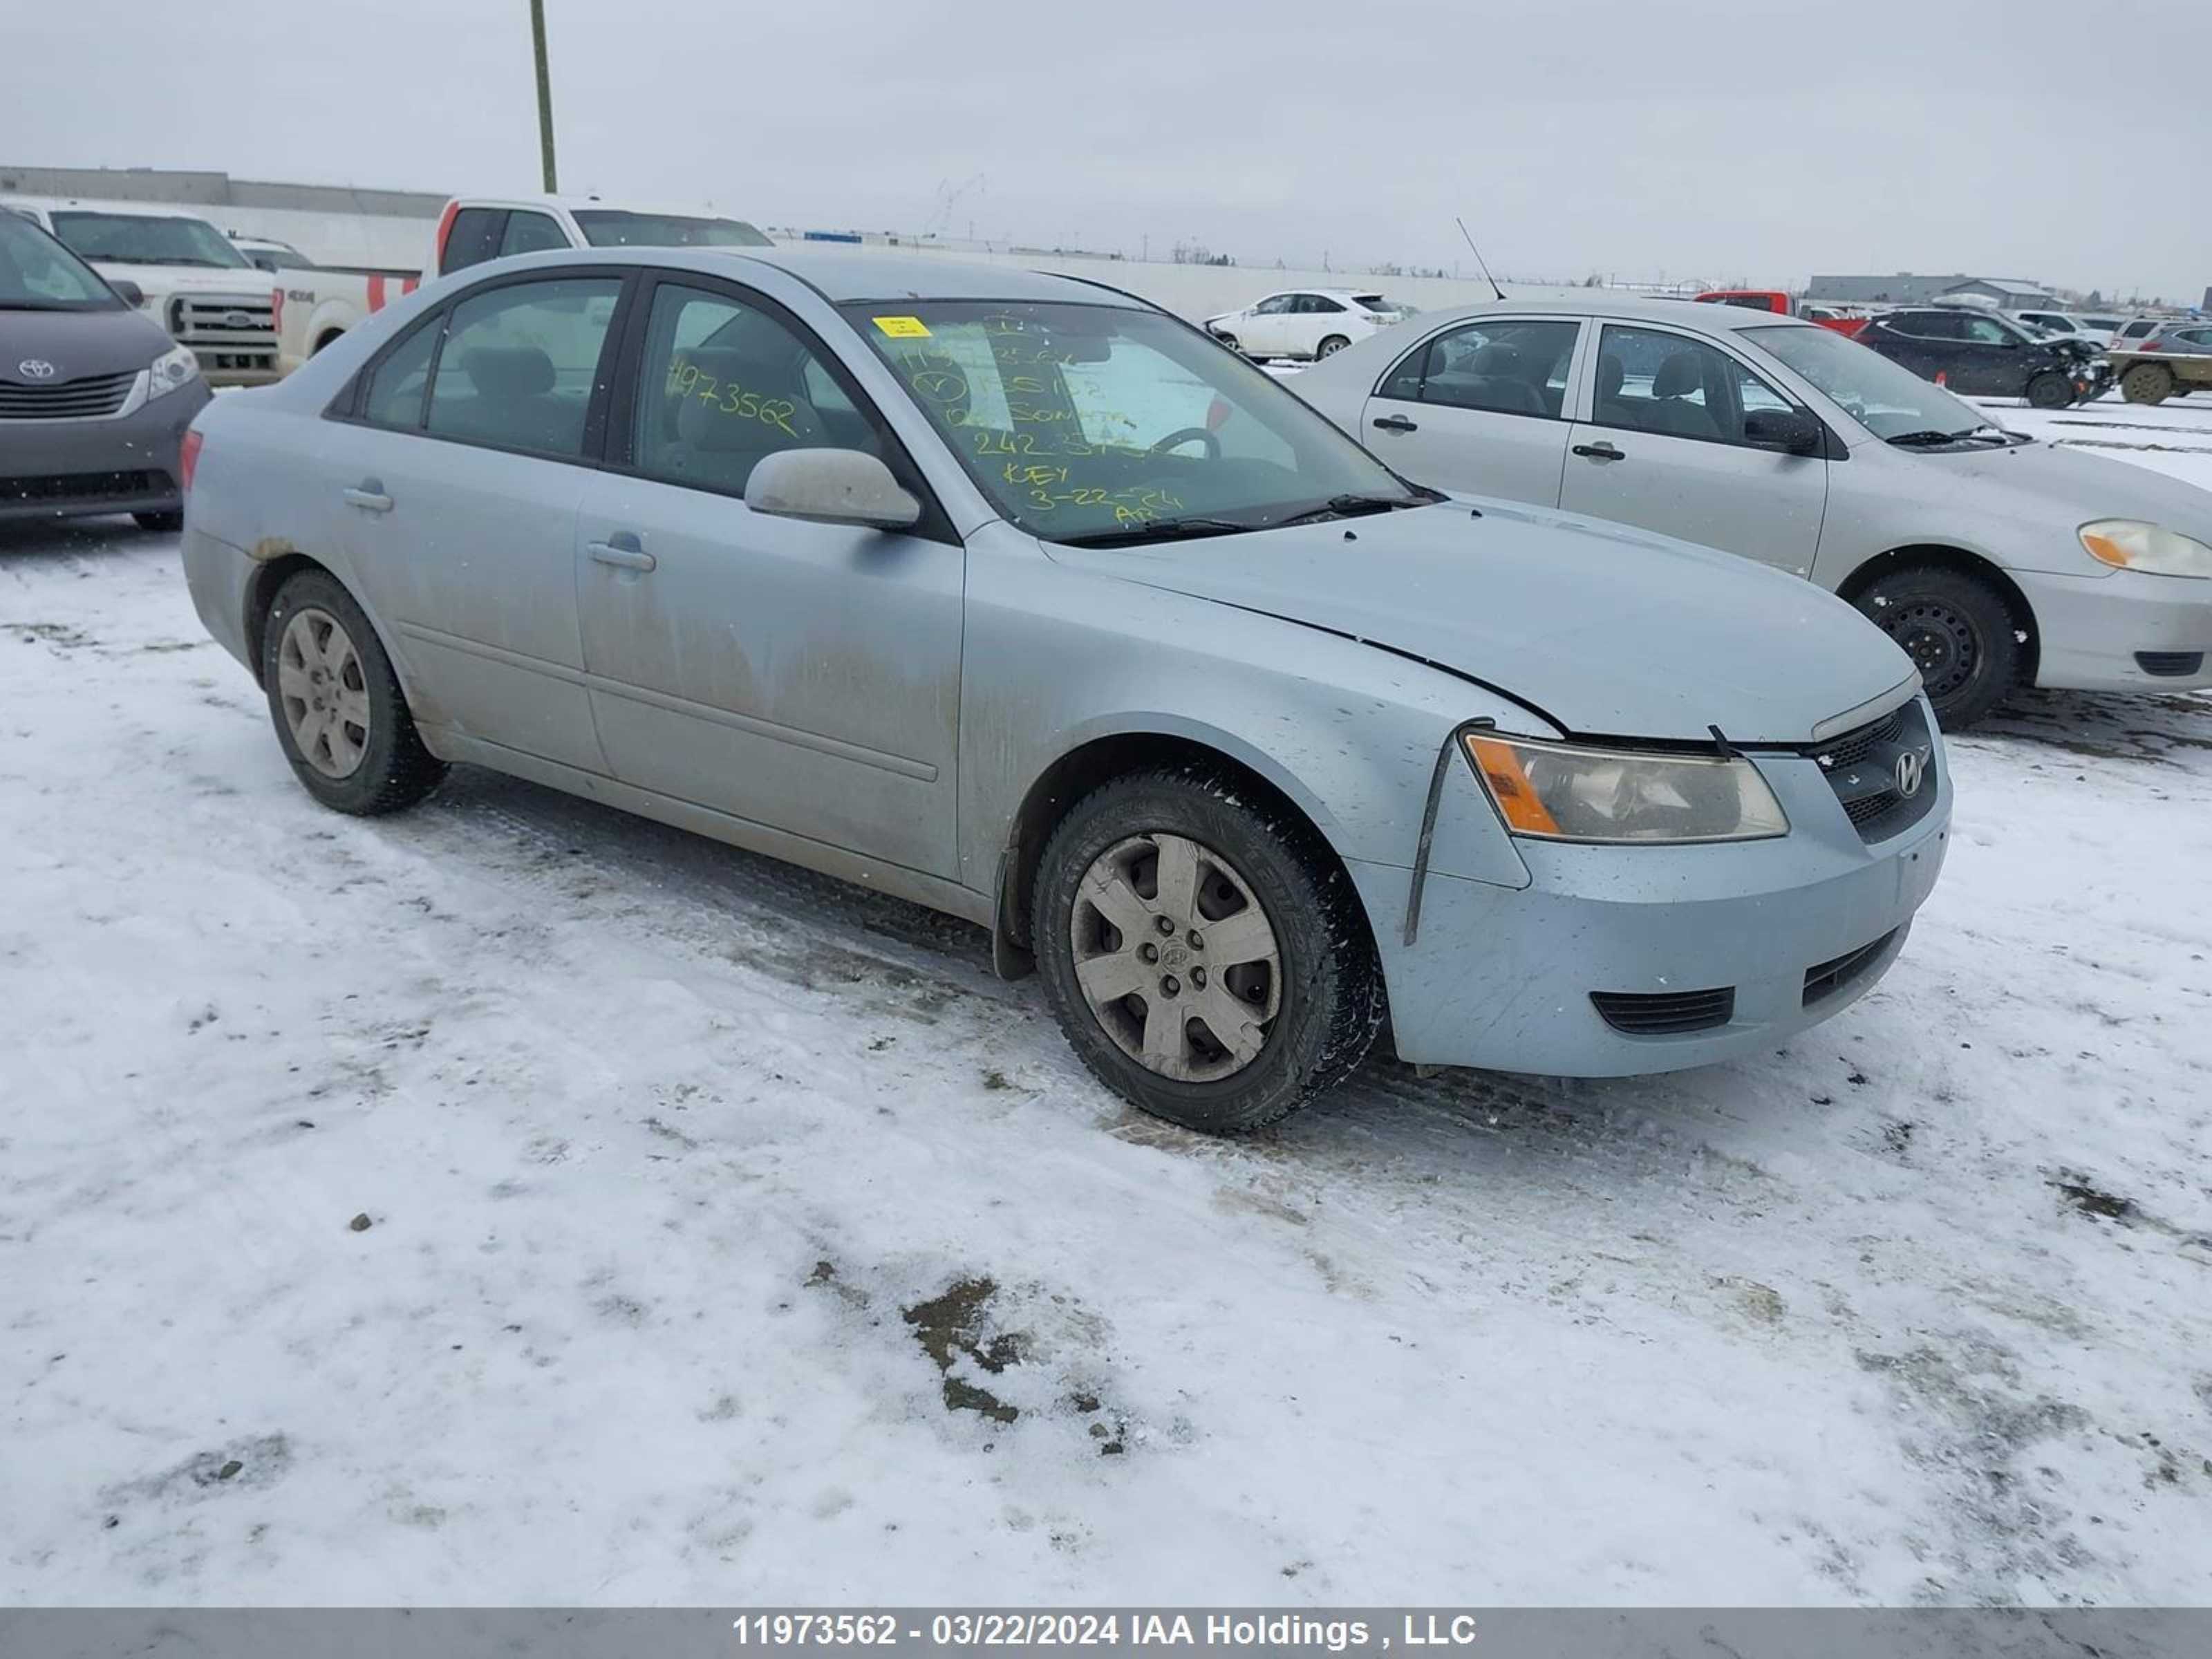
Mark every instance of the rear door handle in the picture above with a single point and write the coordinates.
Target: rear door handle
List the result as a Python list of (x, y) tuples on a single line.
[(622, 550), (1395, 423), (1600, 452), (369, 495)]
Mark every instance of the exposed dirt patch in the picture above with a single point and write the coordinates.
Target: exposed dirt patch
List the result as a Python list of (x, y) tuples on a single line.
[(2092, 1201), (950, 1326)]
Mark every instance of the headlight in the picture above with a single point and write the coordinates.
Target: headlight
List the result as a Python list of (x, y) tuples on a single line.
[(2131, 544), (1564, 792), (173, 368)]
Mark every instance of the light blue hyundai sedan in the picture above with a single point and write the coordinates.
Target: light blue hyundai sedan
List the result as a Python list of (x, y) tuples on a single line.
[(1014, 596)]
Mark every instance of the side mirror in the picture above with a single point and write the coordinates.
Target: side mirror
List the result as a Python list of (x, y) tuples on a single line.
[(831, 486), (128, 291), (1792, 431)]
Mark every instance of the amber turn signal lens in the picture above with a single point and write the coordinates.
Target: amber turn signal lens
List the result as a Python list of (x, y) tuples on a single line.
[(1510, 787)]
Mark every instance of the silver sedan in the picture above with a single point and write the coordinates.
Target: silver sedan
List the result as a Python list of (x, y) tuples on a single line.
[(1015, 596), (1994, 560)]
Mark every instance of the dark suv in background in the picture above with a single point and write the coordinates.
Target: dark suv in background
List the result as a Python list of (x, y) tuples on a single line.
[(94, 397), (1979, 353)]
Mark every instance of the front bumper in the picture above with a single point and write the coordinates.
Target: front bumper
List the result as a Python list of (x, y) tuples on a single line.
[(1796, 928), (76, 469), (2099, 633)]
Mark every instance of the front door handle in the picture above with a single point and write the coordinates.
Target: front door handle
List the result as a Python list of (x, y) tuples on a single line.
[(622, 551), (369, 495), (1395, 423), (1600, 452)]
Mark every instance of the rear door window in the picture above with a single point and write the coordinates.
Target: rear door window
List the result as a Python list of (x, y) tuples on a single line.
[(473, 238), (519, 361), (1502, 366)]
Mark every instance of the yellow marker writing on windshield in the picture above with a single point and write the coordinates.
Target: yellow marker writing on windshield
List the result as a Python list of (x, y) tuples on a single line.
[(902, 328)]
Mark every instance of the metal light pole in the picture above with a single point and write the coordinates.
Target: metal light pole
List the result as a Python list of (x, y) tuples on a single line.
[(544, 97)]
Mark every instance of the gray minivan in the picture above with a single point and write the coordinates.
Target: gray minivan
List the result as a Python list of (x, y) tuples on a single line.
[(94, 398)]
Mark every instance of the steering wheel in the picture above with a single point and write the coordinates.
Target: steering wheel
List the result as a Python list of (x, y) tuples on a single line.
[(1204, 435)]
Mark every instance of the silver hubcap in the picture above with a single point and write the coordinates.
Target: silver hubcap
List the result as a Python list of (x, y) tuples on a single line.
[(325, 699), (1176, 958)]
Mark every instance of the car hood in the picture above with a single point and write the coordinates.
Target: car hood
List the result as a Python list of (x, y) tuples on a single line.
[(2057, 488), (76, 343), (1605, 631), (156, 281)]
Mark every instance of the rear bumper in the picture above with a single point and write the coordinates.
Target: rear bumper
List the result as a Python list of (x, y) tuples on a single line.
[(1794, 930), (76, 469), (217, 575), (2094, 631)]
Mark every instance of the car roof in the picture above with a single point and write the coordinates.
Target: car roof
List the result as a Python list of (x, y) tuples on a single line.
[(90, 204), (843, 276), (1711, 316)]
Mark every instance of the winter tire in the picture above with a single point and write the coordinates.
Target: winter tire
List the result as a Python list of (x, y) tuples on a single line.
[(2050, 389), (341, 718), (1330, 347), (1959, 632), (1207, 959)]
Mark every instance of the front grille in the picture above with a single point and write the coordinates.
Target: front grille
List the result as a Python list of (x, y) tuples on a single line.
[(1665, 1013), (84, 487), (238, 322), (2170, 664), (1861, 767), (88, 399), (1824, 980)]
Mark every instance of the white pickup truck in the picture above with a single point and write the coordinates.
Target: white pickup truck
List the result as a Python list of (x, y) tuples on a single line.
[(314, 306), (179, 270)]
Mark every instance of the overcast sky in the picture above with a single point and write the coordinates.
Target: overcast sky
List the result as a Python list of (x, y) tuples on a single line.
[(1710, 139)]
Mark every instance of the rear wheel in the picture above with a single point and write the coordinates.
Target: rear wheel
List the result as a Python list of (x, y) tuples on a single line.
[(1330, 347), (2050, 389), (167, 522), (1959, 632), (1206, 960), (340, 716), (2147, 383)]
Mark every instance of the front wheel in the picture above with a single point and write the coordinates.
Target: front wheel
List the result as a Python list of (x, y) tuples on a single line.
[(1330, 347), (1206, 958), (1959, 632), (2050, 389), (340, 716)]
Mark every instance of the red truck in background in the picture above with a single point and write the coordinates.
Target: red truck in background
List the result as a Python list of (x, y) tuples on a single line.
[(1774, 300)]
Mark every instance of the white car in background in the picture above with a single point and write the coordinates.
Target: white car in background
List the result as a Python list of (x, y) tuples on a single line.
[(1309, 323)]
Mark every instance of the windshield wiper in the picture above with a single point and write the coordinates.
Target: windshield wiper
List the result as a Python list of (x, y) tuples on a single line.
[(1346, 507), (1931, 436), (1158, 530)]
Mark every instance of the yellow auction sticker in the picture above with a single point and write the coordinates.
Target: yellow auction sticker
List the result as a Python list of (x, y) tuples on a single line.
[(902, 328)]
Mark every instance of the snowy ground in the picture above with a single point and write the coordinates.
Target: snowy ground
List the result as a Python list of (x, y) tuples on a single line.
[(734, 1237)]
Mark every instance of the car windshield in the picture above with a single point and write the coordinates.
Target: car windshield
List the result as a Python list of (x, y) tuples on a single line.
[(1883, 397), (37, 273), (145, 239), (611, 227), (1106, 422)]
